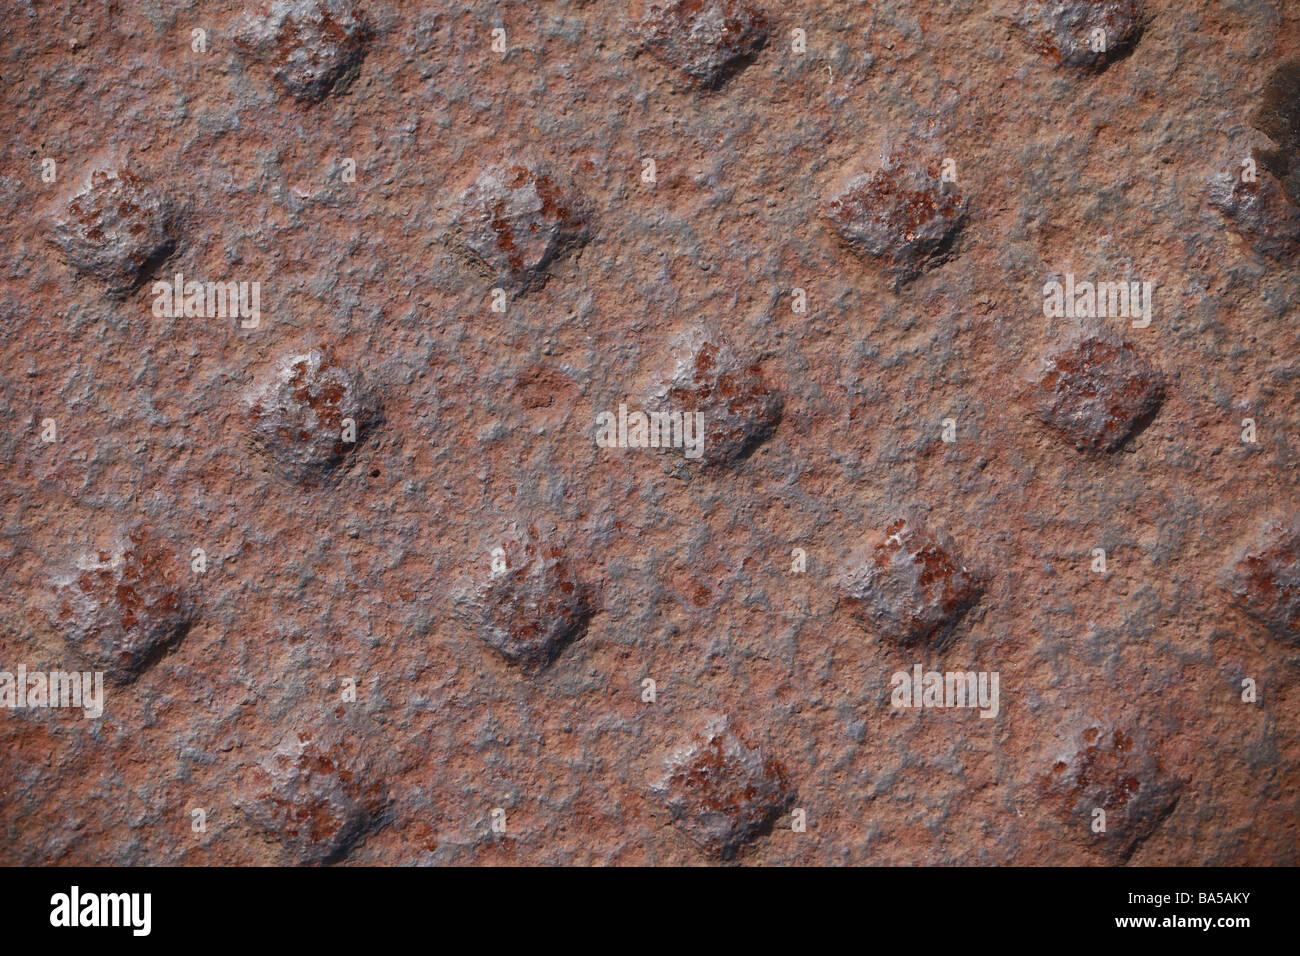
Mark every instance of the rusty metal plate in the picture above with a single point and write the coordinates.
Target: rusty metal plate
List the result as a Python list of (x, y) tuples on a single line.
[(672, 432)]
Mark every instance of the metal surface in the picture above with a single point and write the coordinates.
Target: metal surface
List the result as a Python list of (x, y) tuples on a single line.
[(468, 630)]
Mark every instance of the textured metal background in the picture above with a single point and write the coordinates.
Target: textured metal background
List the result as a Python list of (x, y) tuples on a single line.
[(483, 428)]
